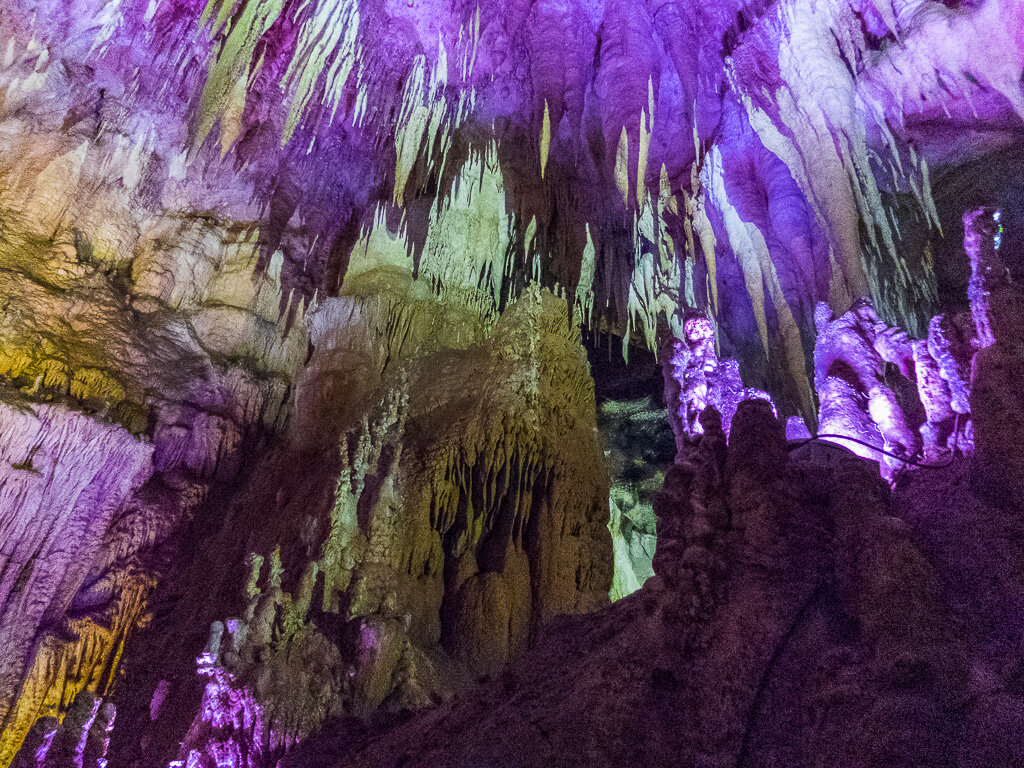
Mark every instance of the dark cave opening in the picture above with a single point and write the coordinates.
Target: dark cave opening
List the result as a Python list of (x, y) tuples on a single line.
[(638, 445)]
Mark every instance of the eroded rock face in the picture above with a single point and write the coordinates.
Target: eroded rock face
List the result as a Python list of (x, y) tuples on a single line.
[(438, 498), (65, 483), (802, 614)]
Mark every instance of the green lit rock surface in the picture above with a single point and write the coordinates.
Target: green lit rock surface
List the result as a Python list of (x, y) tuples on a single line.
[(638, 447)]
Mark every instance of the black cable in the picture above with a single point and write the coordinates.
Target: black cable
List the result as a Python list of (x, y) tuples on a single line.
[(766, 674), (911, 462)]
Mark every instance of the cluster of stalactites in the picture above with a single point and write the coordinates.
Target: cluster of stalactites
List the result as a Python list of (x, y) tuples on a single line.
[(439, 96), (658, 179)]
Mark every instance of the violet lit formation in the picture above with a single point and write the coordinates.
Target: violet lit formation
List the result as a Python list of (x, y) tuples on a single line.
[(511, 383)]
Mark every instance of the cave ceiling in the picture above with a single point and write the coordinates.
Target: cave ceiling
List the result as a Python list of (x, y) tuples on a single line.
[(745, 159)]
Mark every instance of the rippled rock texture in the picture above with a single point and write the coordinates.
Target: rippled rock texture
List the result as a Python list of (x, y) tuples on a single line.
[(66, 483), (296, 423), (801, 614)]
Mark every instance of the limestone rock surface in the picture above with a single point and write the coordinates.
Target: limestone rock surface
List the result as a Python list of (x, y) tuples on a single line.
[(802, 613), (439, 497), (65, 483)]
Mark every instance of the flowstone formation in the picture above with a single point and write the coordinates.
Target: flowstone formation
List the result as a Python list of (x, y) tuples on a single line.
[(297, 427), (411, 532), (152, 361), (802, 612), (67, 482)]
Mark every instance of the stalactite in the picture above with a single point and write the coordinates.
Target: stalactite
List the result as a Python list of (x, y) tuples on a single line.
[(233, 60), (329, 36), (395, 214), (448, 507), (749, 246)]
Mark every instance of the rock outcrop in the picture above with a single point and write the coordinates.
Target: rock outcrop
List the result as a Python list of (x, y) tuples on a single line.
[(801, 614), (65, 604), (439, 497), (803, 611)]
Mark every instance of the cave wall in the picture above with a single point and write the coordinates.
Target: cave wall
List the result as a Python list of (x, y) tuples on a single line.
[(411, 531), (805, 610), (309, 276), (346, 443)]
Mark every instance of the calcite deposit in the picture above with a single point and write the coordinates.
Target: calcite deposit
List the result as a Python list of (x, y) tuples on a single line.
[(511, 382), (409, 533), (67, 606), (801, 613), (636, 477)]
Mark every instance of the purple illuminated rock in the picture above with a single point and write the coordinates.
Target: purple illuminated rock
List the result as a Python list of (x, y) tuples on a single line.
[(273, 240), (696, 378), (997, 402), (850, 358), (64, 480)]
